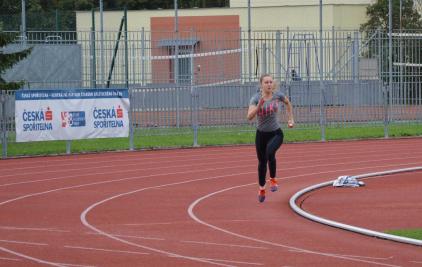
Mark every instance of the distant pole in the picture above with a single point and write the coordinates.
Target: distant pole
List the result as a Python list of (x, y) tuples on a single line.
[(321, 77), (176, 61), (390, 64), (102, 42), (176, 43), (249, 42), (23, 26)]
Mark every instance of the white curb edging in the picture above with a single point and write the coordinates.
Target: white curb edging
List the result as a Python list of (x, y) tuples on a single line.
[(347, 227)]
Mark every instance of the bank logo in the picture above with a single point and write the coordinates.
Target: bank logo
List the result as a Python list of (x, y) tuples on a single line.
[(73, 119)]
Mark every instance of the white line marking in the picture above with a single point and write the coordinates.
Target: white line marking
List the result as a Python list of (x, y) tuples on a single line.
[(249, 161), (225, 245), (231, 261), (178, 222), (107, 182), (75, 265), (23, 242), (194, 217), (86, 211), (32, 229), (355, 256), (419, 262), (108, 250), (29, 257), (125, 179), (132, 236), (371, 258), (170, 254), (296, 149), (9, 259)]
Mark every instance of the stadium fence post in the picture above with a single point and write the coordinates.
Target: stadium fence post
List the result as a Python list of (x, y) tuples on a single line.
[(3, 128)]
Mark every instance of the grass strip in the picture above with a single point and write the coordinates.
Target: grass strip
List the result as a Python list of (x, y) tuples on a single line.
[(153, 138), (410, 233)]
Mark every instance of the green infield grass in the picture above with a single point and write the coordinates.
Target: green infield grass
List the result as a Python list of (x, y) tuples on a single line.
[(410, 233)]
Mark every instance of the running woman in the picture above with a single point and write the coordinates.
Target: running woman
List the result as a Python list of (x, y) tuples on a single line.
[(264, 105)]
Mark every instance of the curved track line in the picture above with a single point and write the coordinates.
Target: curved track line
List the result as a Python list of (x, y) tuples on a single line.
[(30, 258), (139, 177), (170, 254), (189, 165), (348, 227), (194, 217), (192, 157)]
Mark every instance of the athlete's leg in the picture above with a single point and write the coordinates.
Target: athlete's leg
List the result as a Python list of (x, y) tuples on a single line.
[(260, 145), (273, 145)]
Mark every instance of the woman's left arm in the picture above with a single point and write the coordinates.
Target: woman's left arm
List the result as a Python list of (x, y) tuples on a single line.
[(289, 109)]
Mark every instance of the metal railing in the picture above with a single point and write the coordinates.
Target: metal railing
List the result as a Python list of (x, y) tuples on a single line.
[(217, 75)]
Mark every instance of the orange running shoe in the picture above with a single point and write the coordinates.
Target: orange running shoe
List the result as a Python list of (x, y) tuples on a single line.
[(261, 195), (273, 185)]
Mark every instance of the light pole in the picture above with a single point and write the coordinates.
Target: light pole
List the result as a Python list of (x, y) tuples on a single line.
[(249, 42), (390, 65), (321, 77), (176, 61), (23, 25), (102, 42)]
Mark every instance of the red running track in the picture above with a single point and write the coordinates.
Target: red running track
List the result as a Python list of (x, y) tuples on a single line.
[(198, 207)]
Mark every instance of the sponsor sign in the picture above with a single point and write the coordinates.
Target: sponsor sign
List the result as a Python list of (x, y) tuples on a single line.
[(43, 115)]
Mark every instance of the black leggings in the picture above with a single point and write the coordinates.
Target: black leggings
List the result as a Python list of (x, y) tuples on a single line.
[(267, 144)]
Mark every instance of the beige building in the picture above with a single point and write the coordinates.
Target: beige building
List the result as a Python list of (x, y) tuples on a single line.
[(265, 15), (212, 50)]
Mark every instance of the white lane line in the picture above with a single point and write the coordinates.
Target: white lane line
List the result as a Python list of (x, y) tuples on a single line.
[(194, 217), (122, 166), (193, 153), (334, 155), (121, 170), (155, 223), (32, 229), (9, 259), (170, 254), (214, 163), (371, 258), (355, 256), (135, 237), (418, 262), (30, 258), (87, 210), (23, 242), (179, 222), (108, 250), (138, 156), (108, 182), (234, 262), (75, 265), (125, 179), (221, 244)]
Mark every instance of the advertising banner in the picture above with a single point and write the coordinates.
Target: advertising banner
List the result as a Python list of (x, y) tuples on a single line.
[(43, 115)]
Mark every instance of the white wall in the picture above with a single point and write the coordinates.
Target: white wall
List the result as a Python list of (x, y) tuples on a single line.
[(274, 3), (344, 16)]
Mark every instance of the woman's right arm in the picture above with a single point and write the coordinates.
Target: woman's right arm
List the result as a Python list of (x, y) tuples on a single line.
[(253, 109)]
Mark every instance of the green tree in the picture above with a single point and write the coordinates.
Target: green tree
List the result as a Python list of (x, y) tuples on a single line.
[(406, 47), (8, 60), (378, 16)]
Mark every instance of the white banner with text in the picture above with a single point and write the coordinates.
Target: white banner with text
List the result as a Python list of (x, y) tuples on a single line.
[(43, 115)]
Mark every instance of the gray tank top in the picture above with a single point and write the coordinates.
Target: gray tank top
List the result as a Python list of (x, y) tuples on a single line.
[(267, 115)]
